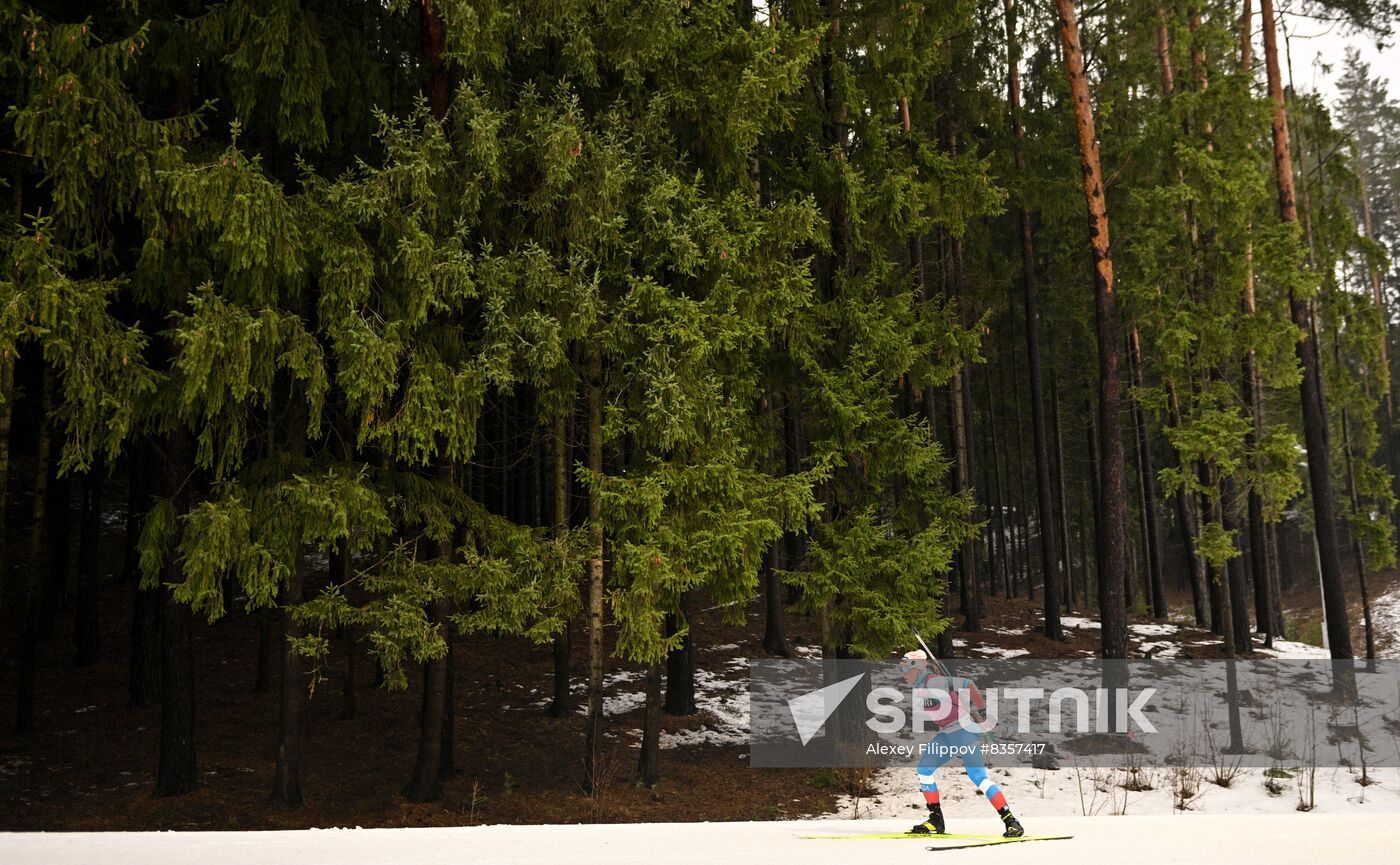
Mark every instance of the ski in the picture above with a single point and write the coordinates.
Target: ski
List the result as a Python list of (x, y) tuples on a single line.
[(952, 835), (989, 842)]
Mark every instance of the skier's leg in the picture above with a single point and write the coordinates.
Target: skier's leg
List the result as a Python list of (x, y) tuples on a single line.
[(986, 786), (977, 772), (933, 757), (928, 765)]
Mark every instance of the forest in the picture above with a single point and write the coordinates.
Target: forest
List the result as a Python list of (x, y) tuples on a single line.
[(396, 329)]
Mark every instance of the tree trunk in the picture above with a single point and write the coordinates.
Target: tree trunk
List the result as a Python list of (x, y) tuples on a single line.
[(593, 730), (795, 543), (1202, 587), (1011, 519), (434, 760), (340, 574), (680, 664), (964, 563), (1234, 569), (1190, 528), (177, 774), (266, 617), (143, 666), (1246, 41), (649, 764), (1091, 436), (1264, 596), (286, 783), (1049, 559), (7, 396), (966, 557), (1023, 520), (1378, 299), (426, 783), (1164, 52), (34, 584), (970, 437), (86, 634), (434, 38), (987, 554), (1152, 539), (1060, 500), (1265, 600), (1112, 541), (137, 504), (1276, 581), (1224, 621), (1217, 513), (292, 696), (1358, 550), (967, 554), (262, 666), (58, 518), (1213, 584), (562, 704), (1086, 551), (447, 751), (1314, 410), (775, 640), (998, 516)]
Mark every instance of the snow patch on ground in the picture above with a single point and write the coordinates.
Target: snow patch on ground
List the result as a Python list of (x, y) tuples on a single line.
[(995, 652), (1078, 622), (1160, 649), (1082, 787), (722, 699), (1085, 789), (620, 704), (1385, 618), (725, 702), (1153, 629), (1289, 649)]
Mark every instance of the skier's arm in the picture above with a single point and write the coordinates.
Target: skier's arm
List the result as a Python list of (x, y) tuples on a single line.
[(979, 703)]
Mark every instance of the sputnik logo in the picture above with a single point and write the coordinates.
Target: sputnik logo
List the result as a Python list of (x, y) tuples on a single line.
[(811, 710)]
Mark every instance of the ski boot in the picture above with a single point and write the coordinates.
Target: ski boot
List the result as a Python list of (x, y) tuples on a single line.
[(934, 825), (1014, 829)]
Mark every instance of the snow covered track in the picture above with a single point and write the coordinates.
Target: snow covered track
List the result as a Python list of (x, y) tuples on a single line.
[(1307, 839)]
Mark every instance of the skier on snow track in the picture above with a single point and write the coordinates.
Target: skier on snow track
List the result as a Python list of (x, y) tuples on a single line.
[(923, 671)]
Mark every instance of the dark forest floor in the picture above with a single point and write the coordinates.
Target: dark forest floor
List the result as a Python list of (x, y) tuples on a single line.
[(91, 763)]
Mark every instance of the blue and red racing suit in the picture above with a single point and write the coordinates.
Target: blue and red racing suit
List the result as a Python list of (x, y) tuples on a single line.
[(953, 740)]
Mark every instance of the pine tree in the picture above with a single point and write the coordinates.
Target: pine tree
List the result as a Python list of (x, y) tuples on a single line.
[(1049, 556), (1112, 530), (1314, 411)]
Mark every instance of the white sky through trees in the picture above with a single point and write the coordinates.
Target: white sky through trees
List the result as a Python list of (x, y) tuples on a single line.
[(1318, 47)]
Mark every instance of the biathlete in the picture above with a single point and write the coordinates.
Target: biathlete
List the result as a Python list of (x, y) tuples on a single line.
[(923, 671)]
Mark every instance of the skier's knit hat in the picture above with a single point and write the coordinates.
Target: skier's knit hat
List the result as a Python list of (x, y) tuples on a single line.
[(912, 660), (919, 658)]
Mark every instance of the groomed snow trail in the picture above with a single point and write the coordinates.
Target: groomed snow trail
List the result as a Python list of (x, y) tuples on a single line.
[(1307, 839)]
